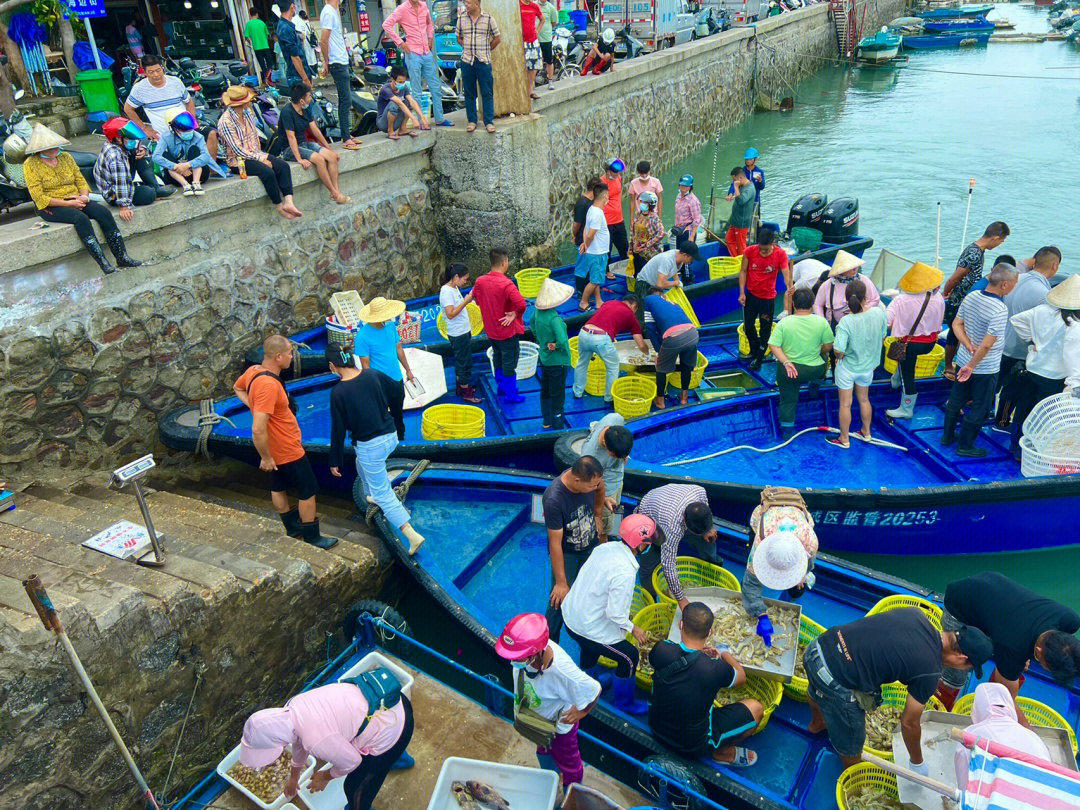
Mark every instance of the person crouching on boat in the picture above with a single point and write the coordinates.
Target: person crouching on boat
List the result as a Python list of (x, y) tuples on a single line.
[(993, 718), (782, 552), (858, 351), (915, 318), (686, 678), (552, 694), (335, 724), (597, 609), (800, 343), (359, 405), (677, 509)]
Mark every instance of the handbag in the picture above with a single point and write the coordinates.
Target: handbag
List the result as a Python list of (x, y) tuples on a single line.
[(530, 724), (380, 688), (898, 348)]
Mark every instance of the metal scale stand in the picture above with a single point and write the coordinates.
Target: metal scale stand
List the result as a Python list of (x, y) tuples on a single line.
[(130, 474)]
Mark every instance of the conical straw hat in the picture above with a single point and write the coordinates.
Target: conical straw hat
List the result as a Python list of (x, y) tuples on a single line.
[(844, 262), (1066, 295), (553, 293), (380, 309), (44, 138), (920, 278)]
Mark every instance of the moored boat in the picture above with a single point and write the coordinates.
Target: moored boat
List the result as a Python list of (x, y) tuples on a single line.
[(879, 48), (959, 25), (963, 11), (956, 40)]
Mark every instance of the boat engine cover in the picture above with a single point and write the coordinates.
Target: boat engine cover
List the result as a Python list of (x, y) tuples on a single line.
[(840, 219), (807, 211)]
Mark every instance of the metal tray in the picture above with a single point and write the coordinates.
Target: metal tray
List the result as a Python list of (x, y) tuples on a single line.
[(713, 597)]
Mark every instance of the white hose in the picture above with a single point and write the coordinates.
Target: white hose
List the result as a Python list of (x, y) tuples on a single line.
[(819, 429)]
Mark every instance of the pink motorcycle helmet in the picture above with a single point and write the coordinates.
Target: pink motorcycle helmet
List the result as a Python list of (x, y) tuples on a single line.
[(524, 636)]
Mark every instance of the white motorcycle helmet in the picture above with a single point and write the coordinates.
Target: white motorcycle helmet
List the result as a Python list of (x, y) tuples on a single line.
[(15, 148), (608, 36)]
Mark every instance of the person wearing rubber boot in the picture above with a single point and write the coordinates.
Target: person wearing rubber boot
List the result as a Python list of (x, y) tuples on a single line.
[(550, 331), (377, 345), (979, 326), (686, 678), (459, 328), (548, 683), (276, 436), (502, 307), (914, 319), (597, 609), (359, 405)]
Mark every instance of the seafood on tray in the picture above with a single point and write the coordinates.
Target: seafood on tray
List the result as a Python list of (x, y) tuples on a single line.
[(733, 628), (265, 783), (870, 798), (475, 795), (651, 640)]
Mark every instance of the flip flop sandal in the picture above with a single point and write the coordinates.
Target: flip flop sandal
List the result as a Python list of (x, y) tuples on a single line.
[(835, 442), (949, 374), (491, 128), (471, 128), (353, 146), (744, 758)]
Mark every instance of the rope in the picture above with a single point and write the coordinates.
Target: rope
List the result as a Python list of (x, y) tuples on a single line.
[(298, 344), (208, 418), (401, 490), (180, 736), (819, 429)]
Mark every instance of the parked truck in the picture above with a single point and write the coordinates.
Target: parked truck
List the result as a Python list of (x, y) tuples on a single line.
[(740, 12), (658, 23)]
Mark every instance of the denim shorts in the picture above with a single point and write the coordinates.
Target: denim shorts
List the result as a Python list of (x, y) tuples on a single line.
[(845, 380), (844, 717), (305, 152)]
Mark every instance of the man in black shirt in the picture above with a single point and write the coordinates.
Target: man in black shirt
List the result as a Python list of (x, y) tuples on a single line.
[(847, 665), (686, 678), (359, 405), (300, 140), (573, 514), (1021, 624)]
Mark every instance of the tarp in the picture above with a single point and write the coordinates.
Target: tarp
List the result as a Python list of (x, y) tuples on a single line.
[(1000, 783)]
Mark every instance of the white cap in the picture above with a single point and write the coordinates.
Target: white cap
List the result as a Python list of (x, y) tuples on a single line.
[(780, 561)]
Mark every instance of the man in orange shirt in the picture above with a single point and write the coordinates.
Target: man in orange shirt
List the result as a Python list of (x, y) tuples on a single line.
[(276, 435), (613, 210)]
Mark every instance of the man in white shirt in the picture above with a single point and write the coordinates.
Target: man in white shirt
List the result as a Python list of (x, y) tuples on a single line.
[(594, 248), (152, 97), (459, 327), (596, 612), (335, 59)]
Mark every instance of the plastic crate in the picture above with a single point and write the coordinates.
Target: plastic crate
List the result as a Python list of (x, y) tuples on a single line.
[(694, 573), (765, 691), (808, 631), (1034, 463), (925, 366), (347, 306), (1038, 714), (234, 756), (677, 296), (523, 788), (633, 395), (932, 611), (450, 421), (861, 775)]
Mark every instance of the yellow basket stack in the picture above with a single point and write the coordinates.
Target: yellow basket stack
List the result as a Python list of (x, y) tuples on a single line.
[(744, 344), (932, 611), (861, 775), (925, 366), (642, 599), (1038, 714), (693, 573), (476, 320), (633, 395), (895, 694), (655, 619), (675, 378), (765, 691), (596, 379), (724, 266), (530, 279), (453, 422), (808, 631)]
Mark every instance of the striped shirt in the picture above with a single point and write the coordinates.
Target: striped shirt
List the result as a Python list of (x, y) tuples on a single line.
[(475, 37), (155, 101), (983, 314), (666, 505), (688, 212), (241, 138)]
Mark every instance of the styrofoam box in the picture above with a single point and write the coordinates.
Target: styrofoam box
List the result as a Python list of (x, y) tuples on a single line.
[(331, 797), (374, 660), (233, 757), (523, 788)]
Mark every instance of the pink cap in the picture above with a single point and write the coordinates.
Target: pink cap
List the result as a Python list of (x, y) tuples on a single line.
[(636, 530), (523, 637), (266, 733)]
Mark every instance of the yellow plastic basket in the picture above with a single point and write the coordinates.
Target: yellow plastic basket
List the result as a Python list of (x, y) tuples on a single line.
[(925, 366), (765, 691), (808, 631), (642, 599), (675, 378), (476, 320), (744, 344), (530, 279), (864, 775), (724, 266), (677, 296), (656, 619), (932, 611), (596, 379), (453, 422), (693, 573), (633, 395), (895, 694), (1038, 714)]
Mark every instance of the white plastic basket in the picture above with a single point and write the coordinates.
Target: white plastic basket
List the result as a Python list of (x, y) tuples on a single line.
[(528, 357), (278, 804), (374, 660), (347, 306), (1035, 463), (1051, 420), (523, 788)]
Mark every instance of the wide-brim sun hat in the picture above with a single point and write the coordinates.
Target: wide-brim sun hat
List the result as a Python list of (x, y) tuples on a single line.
[(920, 278), (236, 95), (780, 561), (1065, 295), (42, 139), (379, 310), (845, 263), (553, 293), (264, 738)]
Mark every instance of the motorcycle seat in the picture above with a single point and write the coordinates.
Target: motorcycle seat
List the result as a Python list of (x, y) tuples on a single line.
[(581, 36), (187, 63), (214, 84), (375, 74), (237, 69), (84, 160)]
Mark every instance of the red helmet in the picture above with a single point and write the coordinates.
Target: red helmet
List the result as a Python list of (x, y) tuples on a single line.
[(637, 530), (524, 636), (119, 128)]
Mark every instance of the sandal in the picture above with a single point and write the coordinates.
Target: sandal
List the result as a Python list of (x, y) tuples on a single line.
[(949, 374), (412, 133), (352, 143), (835, 442), (744, 758), (471, 128), (491, 128), (393, 137)]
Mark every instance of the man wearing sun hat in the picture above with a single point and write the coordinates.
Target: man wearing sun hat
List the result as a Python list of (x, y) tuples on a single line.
[(914, 318), (550, 331), (377, 345)]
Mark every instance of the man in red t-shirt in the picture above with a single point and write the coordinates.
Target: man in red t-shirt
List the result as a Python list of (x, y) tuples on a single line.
[(502, 307), (598, 337), (613, 210), (531, 17), (761, 263)]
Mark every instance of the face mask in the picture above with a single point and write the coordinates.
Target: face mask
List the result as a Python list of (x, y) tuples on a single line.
[(186, 136), (399, 86), (845, 279), (643, 207), (51, 153), (518, 664), (131, 144)]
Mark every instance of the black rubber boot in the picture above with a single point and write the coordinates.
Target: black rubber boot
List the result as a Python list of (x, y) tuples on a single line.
[(291, 519), (966, 444), (309, 533), (163, 190), (93, 247), (949, 435), (116, 245)]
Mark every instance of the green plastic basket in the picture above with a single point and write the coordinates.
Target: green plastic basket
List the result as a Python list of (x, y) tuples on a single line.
[(806, 238)]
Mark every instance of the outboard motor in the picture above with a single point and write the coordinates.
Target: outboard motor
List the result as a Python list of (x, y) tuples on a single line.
[(840, 220), (807, 211)]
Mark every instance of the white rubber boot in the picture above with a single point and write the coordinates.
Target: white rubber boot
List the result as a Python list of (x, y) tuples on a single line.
[(906, 409)]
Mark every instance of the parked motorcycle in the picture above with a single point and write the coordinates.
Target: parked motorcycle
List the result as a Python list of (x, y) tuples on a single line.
[(568, 52), (627, 45)]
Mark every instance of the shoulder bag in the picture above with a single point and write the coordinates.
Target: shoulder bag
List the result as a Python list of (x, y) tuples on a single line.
[(530, 724)]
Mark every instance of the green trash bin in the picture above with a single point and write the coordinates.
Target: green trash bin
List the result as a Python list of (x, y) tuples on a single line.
[(98, 90), (564, 16)]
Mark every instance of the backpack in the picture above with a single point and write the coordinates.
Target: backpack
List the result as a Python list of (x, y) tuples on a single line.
[(781, 496), (381, 690)]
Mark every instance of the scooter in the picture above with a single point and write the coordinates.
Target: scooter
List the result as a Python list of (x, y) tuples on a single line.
[(630, 46), (567, 53)]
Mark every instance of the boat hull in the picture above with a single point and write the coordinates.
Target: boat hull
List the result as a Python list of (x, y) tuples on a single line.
[(946, 41), (878, 55)]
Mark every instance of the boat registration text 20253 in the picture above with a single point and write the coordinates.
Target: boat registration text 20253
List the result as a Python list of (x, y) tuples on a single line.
[(925, 517)]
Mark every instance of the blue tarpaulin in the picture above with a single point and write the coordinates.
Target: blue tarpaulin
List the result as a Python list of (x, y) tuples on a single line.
[(83, 55)]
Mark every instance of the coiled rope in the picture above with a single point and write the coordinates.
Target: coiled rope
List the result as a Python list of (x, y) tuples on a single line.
[(819, 429), (401, 490), (297, 346), (208, 418)]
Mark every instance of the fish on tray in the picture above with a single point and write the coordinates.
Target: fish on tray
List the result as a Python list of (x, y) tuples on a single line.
[(475, 795)]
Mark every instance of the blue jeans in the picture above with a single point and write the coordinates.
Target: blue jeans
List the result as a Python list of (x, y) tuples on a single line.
[(603, 346), (375, 481), (422, 67), (478, 74)]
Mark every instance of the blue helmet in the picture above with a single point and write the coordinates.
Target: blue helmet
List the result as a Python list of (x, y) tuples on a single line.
[(751, 154), (616, 165), (687, 180)]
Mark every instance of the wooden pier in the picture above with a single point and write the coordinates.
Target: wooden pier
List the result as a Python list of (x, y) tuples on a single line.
[(1018, 36)]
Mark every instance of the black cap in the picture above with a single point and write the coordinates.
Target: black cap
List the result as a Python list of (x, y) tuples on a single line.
[(340, 356), (976, 645), (689, 248)]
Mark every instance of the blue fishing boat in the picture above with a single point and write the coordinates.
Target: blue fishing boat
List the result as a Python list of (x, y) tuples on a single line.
[(957, 40), (500, 567), (879, 48), (963, 11), (960, 25), (712, 299), (913, 496)]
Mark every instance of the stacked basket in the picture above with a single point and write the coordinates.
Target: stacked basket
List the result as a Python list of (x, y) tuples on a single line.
[(1051, 440), (724, 266), (744, 344), (452, 422), (932, 611), (530, 279)]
